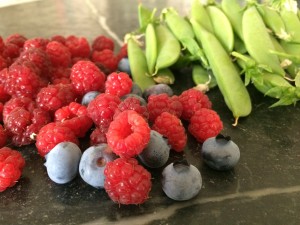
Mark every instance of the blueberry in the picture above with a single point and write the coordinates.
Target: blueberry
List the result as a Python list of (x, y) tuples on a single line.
[(136, 89), (88, 97), (220, 152), (62, 162), (181, 181), (156, 153), (124, 66), (93, 163), (157, 89)]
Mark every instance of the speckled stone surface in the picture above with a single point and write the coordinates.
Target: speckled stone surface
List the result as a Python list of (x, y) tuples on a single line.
[(264, 188)]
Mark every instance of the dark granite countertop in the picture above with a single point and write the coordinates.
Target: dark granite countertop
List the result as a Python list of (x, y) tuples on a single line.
[(264, 188)]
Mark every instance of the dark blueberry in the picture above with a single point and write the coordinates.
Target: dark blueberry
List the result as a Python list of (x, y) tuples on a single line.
[(88, 97), (124, 66), (157, 89), (136, 90), (181, 181), (93, 163), (62, 162), (156, 153), (220, 153)]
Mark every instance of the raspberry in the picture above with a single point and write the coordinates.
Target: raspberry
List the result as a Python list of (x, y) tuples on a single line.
[(22, 124), (11, 51), (3, 63), (59, 54), (106, 58), (59, 38), (78, 46), (127, 182), (22, 81), (1, 44), (122, 53), (60, 75), (3, 136), (55, 96), (205, 123), (192, 100), (98, 136), (86, 76), (16, 39), (1, 112), (36, 43), (128, 134), (74, 116), (171, 127), (163, 103), (52, 134), (118, 84), (102, 109), (132, 103), (102, 42), (11, 166)]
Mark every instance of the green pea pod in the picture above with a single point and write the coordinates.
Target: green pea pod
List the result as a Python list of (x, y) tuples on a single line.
[(239, 45), (199, 13), (222, 27), (151, 48), (234, 12), (258, 42), (203, 78), (274, 21), (292, 24), (228, 78), (168, 48), (164, 76), (145, 16), (138, 65)]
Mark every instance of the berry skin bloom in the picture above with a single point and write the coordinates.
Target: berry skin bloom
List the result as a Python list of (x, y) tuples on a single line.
[(59, 54), (191, 101), (52, 134), (128, 134), (86, 76), (11, 166), (160, 103), (102, 109), (118, 84), (106, 58), (127, 182), (102, 42), (205, 123), (171, 127)]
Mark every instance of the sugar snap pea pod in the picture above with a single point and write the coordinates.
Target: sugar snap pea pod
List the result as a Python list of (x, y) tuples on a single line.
[(150, 47), (145, 16), (168, 48), (164, 76), (138, 65), (234, 12), (239, 45), (292, 24), (199, 13), (222, 27), (258, 42), (228, 79), (274, 21), (203, 78)]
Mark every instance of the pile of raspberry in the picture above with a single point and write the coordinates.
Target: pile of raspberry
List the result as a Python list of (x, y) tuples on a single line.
[(43, 82)]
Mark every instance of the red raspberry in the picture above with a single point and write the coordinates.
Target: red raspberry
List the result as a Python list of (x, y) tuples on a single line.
[(118, 84), (60, 75), (59, 38), (11, 51), (3, 63), (78, 46), (160, 103), (171, 127), (128, 134), (122, 53), (1, 112), (102, 42), (102, 109), (22, 81), (86, 76), (132, 103), (192, 100), (55, 96), (205, 123), (1, 44), (74, 116), (16, 39), (36, 43), (127, 182), (106, 58), (52, 134), (98, 136), (22, 124), (3, 136), (11, 166), (59, 54)]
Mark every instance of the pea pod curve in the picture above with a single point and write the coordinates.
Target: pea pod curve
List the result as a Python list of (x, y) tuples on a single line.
[(150, 48)]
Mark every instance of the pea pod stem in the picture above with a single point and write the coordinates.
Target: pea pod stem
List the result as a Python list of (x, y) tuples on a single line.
[(228, 79)]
